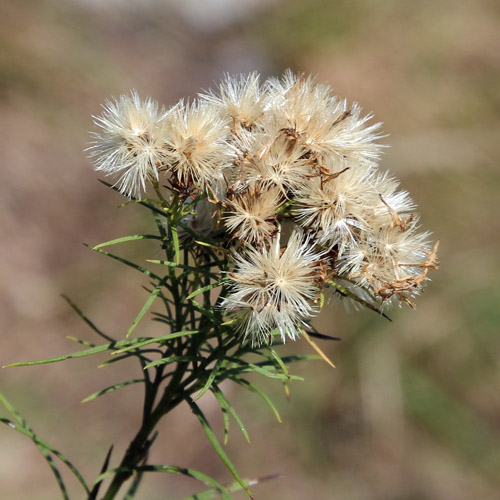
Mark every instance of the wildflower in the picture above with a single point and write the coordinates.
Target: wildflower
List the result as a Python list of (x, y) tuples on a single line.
[(336, 209), (251, 158), (274, 289), (390, 261), (130, 143), (251, 215), (197, 143), (321, 122), (271, 163), (241, 98)]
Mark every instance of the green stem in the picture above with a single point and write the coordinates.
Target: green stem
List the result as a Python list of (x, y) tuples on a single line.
[(139, 446)]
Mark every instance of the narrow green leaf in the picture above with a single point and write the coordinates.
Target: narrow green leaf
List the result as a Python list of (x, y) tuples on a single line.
[(143, 342), (225, 416), (39, 442), (204, 289), (42, 450), (79, 354), (279, 362), (81, 342), (87, 320), (168, 263), (233, 488), (124, 239), (141, 269), (136, 481), (245, 367), (172, 359), (253, 388), (159, 224), (282, 366), (56, 472), (170, 469), (12, 410), (349, 293), (206, 312), (213, 373), (175, 239), (144, 203), (224, 403), (104, 468), (111, 389), (146, 306), (216, 445)]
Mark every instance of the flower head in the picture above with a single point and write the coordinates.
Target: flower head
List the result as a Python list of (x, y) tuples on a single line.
[(274, 289), (251, 215), (241, 98), (130, 143), (196, 142), (251, 163)]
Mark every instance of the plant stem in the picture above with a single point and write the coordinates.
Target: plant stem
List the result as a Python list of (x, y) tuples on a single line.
[(138, 447)]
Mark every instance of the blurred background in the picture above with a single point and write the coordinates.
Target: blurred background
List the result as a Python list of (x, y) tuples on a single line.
[(412, 411)]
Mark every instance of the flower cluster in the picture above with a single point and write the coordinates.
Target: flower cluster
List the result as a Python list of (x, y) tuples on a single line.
[(291, 174)]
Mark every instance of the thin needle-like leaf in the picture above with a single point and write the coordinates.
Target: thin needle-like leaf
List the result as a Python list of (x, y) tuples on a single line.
[(159, 340), (141, 269), (213, 373), (124, 239), (111, 389), (79, 354), (348, 293), (216, 445), (175, 239), (20, 420), (146, 306), (254, 388), (39, 442), (317, 349), (204, 289), (233, 488), (87, 320), (170, 469), (104, 468), (226, 405)]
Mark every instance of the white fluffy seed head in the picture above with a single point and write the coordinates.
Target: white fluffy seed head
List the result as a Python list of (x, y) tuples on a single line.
[(251, 215), (130, 143), (241, 99), (287, 153), (196, 141), (274, 289)]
